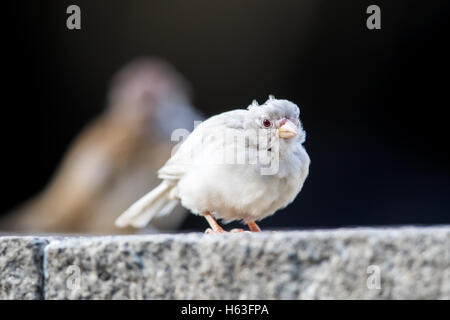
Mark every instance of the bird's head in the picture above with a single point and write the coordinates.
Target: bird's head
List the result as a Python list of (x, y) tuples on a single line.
[(144, 84), (279, 116), (152, 94)]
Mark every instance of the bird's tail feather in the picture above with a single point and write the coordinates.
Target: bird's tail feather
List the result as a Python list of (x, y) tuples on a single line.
[(153, 204)]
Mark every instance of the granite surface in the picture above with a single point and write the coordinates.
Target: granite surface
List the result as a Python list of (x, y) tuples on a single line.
[(360, 263), (21, 263)]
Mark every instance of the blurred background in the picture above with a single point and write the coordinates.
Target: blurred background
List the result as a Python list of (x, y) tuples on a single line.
[(373, 104)]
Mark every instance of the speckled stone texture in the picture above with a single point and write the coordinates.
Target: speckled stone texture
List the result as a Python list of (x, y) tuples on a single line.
[(21, 260), (401, 263)]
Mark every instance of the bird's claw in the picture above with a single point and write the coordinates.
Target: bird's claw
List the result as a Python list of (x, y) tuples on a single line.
[(211, 231), (237, 230)]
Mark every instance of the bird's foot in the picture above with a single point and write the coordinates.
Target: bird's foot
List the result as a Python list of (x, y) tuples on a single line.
[(216, 228), (237, 230), (253, 227), (211, 231)]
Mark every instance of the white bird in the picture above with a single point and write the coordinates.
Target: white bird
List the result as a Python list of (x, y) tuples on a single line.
[(244, 164)]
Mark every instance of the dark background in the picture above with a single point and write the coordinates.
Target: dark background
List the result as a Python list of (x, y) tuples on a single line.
[(373, 103)]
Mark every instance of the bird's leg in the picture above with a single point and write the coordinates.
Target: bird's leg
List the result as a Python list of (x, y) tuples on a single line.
[(253, 227), (215, 227)]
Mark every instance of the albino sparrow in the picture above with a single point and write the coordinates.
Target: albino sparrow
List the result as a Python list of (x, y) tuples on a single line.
[(243, 164)]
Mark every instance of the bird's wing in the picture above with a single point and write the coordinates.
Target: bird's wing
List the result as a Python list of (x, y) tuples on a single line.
[(177, 166)]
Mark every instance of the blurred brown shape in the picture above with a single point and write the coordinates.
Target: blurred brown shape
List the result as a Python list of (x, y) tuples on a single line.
[(114, 160)]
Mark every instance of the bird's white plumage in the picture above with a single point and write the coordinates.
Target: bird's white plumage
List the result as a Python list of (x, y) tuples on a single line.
[(217, 168)]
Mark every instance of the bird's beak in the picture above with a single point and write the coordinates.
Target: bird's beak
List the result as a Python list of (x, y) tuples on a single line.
[(287, 130)]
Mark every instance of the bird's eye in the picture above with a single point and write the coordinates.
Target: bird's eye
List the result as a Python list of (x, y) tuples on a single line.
[(267, 123)]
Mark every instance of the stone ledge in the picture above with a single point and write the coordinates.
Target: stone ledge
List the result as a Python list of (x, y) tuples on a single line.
[(21, 264), (411, 262)]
